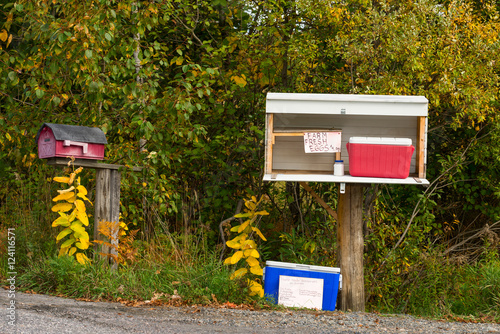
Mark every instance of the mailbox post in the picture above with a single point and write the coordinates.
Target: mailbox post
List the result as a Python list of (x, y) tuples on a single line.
[(289, 116), (57, 142)]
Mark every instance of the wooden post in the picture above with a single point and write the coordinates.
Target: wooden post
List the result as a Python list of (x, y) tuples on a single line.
[(420, 147), (350, 239), (107, 205)]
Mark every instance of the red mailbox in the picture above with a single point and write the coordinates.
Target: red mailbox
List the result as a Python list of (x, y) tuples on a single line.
[(61, 140)]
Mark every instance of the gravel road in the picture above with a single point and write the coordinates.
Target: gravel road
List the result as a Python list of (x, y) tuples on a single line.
[(48, 314)]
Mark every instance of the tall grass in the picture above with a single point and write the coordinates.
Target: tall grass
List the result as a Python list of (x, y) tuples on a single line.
[(196, 280), (441, 288)]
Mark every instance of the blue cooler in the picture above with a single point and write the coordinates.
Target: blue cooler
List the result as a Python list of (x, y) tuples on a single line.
[(331, 279)]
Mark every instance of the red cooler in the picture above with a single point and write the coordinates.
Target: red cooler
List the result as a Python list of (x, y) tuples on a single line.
[(380, 157)]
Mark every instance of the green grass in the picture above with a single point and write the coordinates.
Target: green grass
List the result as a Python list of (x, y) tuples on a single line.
[(200, 279)]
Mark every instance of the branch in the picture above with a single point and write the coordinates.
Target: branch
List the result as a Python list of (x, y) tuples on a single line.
[(221, 230), (477, 234), (429, 191)]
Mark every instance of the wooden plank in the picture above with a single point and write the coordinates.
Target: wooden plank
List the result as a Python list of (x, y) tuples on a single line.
[(95, 164), (420, 147), (289, 134), (269, 144), (318, 199), (297, 122), (301, 176), (350, 240), (285, 131)]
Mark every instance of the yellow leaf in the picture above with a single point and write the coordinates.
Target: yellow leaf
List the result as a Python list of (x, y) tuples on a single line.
[(63, 207), (63, 196), (243, 226), (82, 259), (71, 178), (61, 179), (84, 198), (247, 244), (7, 135), (82, 216), (257, 270), (233, 244), (78, 170), (228, 260), (259, 233), (63, 251), (252, 262), (238, 273), (64, 233), (82, 244), (80, 206), (242, 215), (77, 227), (83, 236), (72, 199), (61, 221), (68, 243), (72, 216), (236, 257), (251, 205), (81, 190), (251, 253), (72, 251), (3, 35), (65, 190), (235, 228), (240, 81), (255, 289)]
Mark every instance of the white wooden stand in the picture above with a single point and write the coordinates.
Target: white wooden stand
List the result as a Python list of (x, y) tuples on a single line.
[(290, 115)]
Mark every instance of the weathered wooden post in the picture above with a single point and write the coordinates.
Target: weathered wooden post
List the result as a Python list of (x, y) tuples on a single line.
[(107, 205), (351, 245), (390, 121)]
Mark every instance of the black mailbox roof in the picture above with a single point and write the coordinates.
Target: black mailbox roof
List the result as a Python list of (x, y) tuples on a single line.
[(78, 133)]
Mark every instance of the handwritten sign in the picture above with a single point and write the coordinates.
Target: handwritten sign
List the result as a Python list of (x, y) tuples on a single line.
[(301, 292), (322, 142)]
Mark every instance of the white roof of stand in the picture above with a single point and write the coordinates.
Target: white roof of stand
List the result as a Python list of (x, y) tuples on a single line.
[(349, 104)]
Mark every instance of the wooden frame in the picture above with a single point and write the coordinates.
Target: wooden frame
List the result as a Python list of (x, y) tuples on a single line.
[(289, 116)]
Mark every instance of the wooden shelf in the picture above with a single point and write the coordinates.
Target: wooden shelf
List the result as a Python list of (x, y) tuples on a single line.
[(289, 177)]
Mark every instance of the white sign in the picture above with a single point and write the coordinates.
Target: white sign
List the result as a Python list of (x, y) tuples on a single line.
[(322, 142), (301, 292)]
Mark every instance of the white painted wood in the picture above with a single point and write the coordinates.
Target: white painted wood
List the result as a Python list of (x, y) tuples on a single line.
[(342, 179), (336, 104)]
